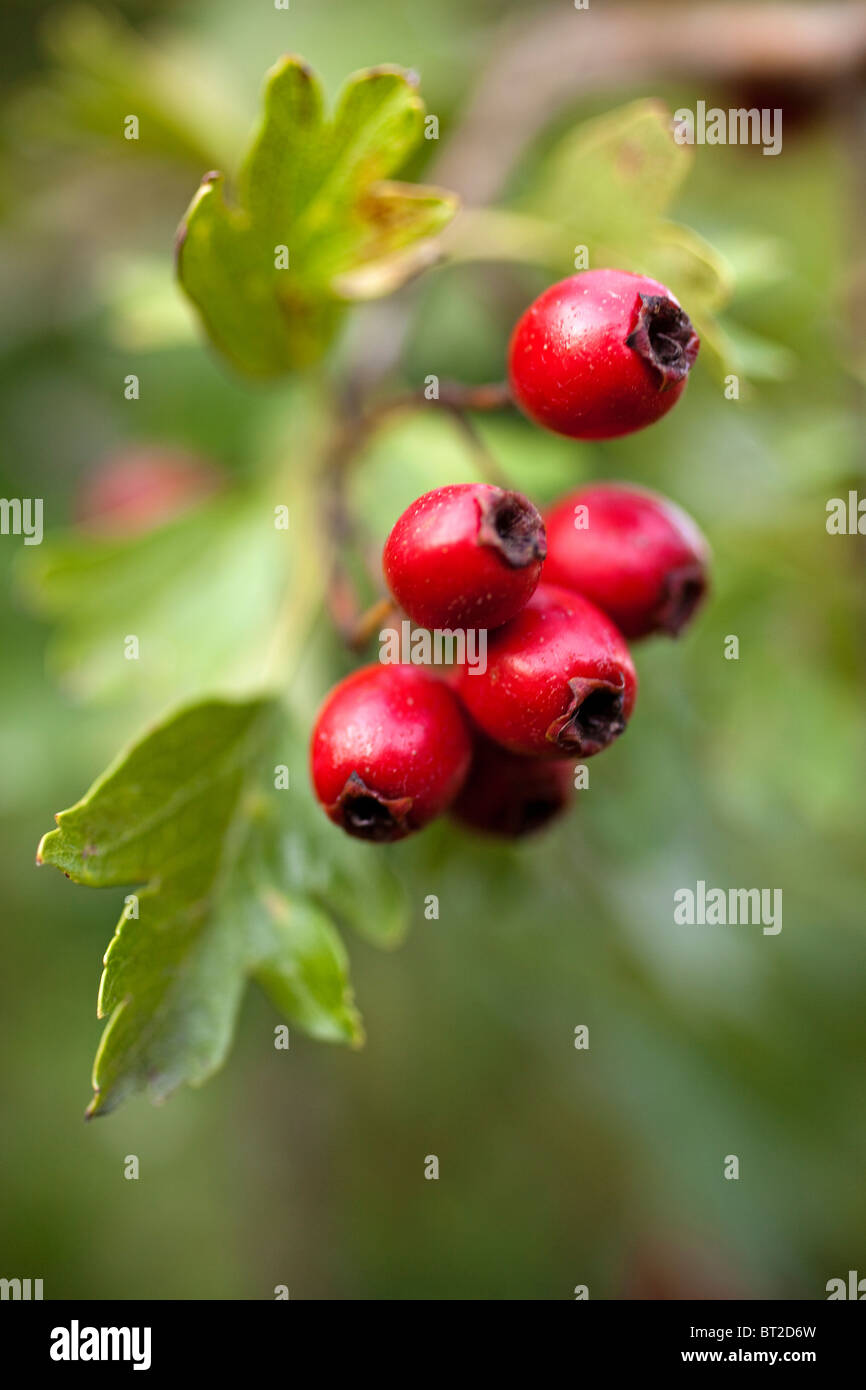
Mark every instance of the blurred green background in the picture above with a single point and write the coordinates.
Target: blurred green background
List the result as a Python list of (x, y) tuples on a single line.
[(558, 1167)]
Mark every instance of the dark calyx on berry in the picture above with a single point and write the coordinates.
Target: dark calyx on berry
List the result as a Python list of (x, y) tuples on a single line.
[(369, 816), (510, 524), (684, 591), (664, 337), (594, 717)]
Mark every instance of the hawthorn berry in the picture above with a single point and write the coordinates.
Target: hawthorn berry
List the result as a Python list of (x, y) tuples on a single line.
[(468, 555), (601, 354), (138, 489), (637, 556), (389, 751), (559, 680), (511, 796)]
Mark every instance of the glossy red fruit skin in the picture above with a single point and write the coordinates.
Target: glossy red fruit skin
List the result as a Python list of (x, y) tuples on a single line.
[(640, 559), (389, 751), (510, 796), (601, 354), (469, 555), (560, 682), (138, 489)]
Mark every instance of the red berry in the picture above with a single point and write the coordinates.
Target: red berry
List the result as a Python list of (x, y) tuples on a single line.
[(465, 556), (139, 489), (640, 558), (559, 680), (511, 796), (601, 354), (389, 751)]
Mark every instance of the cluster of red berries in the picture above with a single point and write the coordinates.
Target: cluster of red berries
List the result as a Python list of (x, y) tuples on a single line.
[(396, 745)]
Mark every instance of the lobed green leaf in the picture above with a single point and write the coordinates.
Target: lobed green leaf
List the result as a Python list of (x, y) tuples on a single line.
[(322, 190), (185, 820)]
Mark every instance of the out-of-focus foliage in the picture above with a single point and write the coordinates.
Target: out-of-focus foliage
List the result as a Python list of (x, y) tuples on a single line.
[(557, 1166), (225, 573)]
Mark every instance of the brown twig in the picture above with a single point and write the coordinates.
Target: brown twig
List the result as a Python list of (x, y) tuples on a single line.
[(452, 395), (489, 465), (370, 622)]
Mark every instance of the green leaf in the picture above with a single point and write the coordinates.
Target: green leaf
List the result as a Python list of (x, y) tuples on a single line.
[(320, 189), (358, 888), (184, 820), (754, 357), (695, 271), (379, 913), (615, 175), (305, 972)]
